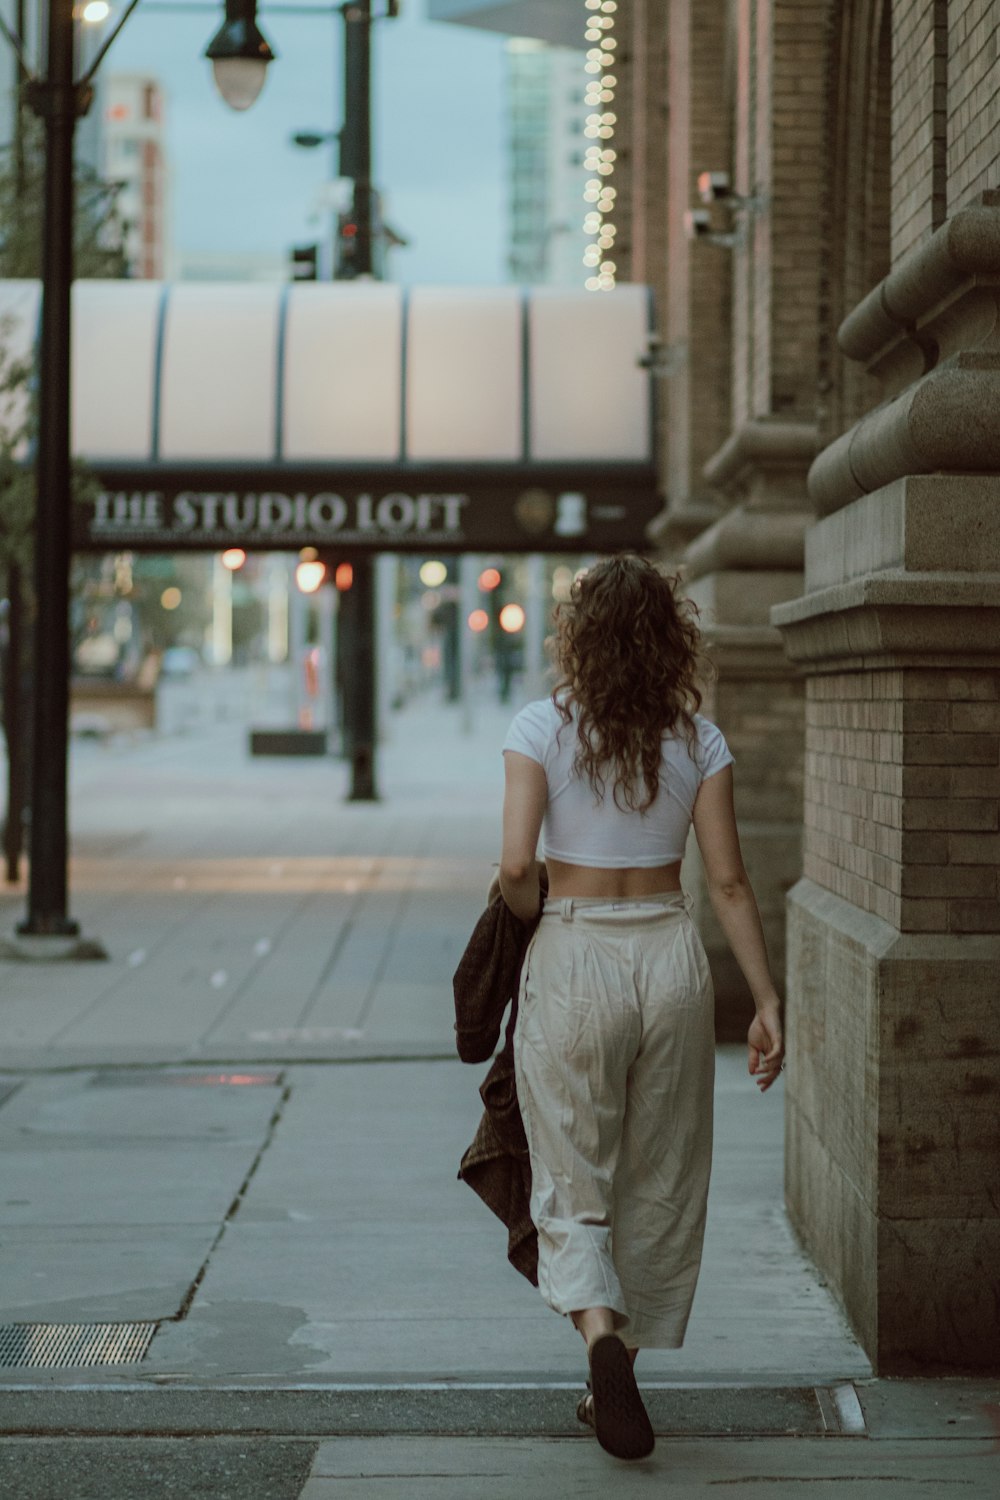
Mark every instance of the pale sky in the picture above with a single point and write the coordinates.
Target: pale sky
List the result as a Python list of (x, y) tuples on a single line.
[(440, 131)]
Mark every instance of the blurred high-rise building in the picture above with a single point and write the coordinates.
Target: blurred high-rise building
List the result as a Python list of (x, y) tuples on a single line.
[(134, 155), (546, 175), (557, 21), (546, 118)]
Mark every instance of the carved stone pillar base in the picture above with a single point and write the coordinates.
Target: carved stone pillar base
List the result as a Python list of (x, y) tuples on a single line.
[(891, 1143), (893, 1076)]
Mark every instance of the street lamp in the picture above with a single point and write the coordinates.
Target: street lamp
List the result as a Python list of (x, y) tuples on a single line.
[(59, 98), (239, 53)]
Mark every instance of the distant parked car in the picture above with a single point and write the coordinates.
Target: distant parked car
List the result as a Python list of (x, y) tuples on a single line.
[(179, 661)]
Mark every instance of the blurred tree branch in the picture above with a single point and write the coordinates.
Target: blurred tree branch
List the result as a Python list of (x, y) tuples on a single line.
[(99, 251)]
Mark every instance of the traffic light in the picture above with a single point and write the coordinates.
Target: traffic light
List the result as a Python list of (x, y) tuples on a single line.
[(305, 262), (345, 250)]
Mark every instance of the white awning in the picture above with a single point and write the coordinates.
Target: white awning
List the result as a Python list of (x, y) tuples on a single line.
[(345, 374)]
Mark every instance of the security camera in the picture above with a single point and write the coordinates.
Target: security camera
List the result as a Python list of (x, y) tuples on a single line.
[(698, 226), (697, 223), (660, 358), (713, 187)]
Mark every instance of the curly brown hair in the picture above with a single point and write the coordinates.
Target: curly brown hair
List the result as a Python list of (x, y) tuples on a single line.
[(626, 651)]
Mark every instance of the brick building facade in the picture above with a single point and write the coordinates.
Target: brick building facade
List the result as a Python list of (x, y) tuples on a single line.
[(830, 420)]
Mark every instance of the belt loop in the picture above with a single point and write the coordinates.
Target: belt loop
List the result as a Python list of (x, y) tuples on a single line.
[(566, 908)]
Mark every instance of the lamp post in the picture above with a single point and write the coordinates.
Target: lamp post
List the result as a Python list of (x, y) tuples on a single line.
[(358, 612), (357, 607), (240, 55), (59, 98)]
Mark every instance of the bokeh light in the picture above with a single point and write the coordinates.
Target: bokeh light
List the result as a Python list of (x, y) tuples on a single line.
[(309, 576), (512, 618)]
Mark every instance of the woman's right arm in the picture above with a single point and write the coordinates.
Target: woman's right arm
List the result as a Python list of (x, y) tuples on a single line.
[(525, 796), (733, 900)]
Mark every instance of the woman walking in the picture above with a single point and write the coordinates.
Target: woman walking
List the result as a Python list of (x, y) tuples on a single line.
[(614, 1044)]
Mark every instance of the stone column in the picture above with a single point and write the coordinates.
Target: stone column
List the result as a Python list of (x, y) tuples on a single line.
[(748, 561), (768, 229), (688, 130), (892, 1123)]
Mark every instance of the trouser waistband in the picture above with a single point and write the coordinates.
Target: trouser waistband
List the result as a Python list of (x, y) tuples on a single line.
[(623, 908)]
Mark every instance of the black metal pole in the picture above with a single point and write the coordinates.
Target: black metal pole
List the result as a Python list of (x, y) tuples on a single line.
[(359, 103), (13, 686), (357, 623), (20, 175), (358, 604), (13, 724), (47, 893)]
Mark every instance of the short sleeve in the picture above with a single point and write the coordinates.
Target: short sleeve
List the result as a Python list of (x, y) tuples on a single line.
[(714, 754), (529, 734)]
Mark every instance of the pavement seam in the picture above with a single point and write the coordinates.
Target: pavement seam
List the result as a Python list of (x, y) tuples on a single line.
[(197, 1062), (396, 922), (233, 1209), (373, 874), (309, 898)]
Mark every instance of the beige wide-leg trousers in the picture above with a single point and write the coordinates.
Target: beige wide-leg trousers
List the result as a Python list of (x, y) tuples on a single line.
[(614, 1053)]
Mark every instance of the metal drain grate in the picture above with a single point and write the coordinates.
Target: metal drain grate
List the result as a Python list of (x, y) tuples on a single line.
[(63, 1346)]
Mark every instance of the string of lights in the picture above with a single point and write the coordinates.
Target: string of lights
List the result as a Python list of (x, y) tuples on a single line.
[(600, 157)]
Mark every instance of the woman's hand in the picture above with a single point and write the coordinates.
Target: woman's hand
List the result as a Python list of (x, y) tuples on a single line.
[(766, 1045)]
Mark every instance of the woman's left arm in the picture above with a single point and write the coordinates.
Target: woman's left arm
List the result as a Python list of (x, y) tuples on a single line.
[(525, 796)]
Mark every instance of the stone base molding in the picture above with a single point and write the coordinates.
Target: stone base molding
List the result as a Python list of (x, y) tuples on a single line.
[(893, 1167), (677, 525), (892, 1130), (928, 333), (765, 458)]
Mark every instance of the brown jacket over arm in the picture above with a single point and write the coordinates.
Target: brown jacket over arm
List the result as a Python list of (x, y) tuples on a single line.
[(496, 1165)]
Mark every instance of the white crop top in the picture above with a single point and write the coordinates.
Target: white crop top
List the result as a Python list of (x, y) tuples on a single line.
[(582, 830)]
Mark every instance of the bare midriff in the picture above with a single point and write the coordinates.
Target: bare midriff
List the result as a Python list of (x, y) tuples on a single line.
[(628, 884)]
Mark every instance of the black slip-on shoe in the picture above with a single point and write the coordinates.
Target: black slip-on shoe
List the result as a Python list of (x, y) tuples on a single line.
[(620, 1419)]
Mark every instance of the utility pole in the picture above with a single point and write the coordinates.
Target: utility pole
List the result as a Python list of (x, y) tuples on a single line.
[(56, 99), (13, 664), (357, 604)]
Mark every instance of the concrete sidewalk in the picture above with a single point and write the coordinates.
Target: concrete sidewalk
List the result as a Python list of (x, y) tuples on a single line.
[(242, 1132)]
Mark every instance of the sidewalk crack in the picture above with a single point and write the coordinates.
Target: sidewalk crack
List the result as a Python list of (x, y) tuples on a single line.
[(234, 1207)]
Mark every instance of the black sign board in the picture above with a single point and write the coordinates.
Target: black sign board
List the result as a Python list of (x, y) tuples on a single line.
[(173, 508)]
